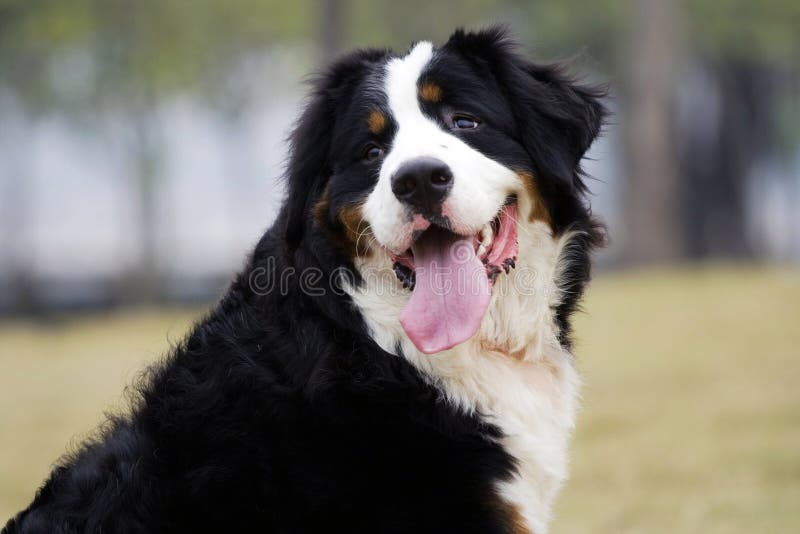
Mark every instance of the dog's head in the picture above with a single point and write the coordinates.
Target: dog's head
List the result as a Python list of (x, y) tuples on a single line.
[(451, 169)]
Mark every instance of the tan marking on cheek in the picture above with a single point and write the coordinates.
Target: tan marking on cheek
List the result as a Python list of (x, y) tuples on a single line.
[(430, 92), (355, 236), (357, 230), (376, 122), (539, 210)]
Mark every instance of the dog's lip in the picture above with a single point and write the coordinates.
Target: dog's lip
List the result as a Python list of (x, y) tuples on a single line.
[(420, 224)]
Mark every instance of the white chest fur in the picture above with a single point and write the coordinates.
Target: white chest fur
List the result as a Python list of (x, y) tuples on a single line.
[(533, 402), (513, 371)]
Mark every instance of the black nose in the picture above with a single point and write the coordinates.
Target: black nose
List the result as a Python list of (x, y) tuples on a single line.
[(423, 183)]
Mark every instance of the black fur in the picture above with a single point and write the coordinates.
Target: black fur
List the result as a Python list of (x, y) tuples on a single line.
[(278, 413)]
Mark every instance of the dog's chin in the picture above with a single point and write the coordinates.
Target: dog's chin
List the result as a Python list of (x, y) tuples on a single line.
[(451, 276)]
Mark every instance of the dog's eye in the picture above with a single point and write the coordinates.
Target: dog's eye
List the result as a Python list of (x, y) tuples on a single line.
[(372, 152), (465, 122)]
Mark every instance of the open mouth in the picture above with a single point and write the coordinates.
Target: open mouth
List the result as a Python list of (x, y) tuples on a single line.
[(451, 277), (495, 245)]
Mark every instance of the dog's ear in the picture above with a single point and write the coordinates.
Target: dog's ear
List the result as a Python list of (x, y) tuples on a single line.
[(306, 172), (310, 164), (556, 118)]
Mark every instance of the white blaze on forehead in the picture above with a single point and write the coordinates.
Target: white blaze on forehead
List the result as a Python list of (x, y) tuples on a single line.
[(383, 211), (402, 75)]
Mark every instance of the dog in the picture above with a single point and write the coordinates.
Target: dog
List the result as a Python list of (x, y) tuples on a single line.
[(396, 354)]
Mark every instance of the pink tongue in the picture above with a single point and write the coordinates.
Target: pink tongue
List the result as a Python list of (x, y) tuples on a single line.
[(451, 292)]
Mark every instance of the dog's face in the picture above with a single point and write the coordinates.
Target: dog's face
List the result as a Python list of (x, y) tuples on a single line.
[(445, 167), (450, 157)]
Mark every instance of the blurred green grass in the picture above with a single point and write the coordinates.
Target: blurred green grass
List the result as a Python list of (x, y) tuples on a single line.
[(691, 418)]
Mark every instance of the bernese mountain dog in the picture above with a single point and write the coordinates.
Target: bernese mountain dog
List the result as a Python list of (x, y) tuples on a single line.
[(395, 355)]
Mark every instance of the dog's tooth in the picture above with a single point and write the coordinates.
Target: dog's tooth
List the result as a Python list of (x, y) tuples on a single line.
[(485, 236)]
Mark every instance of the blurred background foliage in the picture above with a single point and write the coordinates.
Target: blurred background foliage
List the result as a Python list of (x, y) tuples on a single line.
[(700, 160), (141, 150)]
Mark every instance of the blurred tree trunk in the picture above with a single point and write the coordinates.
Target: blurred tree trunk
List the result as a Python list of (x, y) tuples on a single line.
[(717, 165), (143, 286), (18, 209), (654, 230), (15, 218), (331, 29)]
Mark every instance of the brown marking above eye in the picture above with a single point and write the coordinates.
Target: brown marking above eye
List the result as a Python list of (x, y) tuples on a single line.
[(430, 92), (376, 121), (538, 207)]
